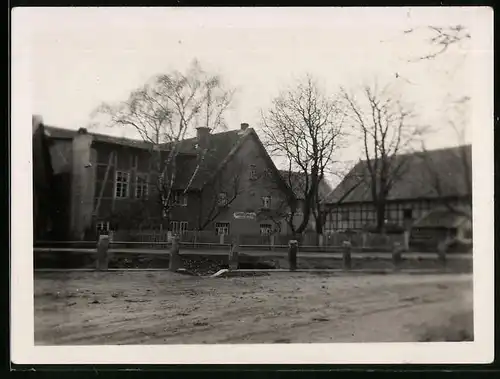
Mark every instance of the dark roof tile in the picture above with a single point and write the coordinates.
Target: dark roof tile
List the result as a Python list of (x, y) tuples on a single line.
[(219, 147), (416, 181), (297, 182), (63, 133)]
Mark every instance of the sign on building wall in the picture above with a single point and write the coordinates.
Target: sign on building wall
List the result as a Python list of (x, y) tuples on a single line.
[(245, 215)]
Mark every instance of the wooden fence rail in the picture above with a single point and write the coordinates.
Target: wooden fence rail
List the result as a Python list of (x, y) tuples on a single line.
[(104, 249)]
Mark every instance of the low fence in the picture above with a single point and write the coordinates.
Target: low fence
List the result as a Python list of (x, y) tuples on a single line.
[(357, 239), (100, 252)]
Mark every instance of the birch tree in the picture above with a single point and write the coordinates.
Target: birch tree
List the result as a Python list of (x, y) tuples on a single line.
[(165, 110)]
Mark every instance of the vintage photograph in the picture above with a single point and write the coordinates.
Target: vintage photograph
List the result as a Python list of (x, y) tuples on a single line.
[(211, 177)]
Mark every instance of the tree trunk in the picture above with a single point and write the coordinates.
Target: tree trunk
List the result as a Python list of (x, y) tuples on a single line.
[(306, 214), (381, 216), (319, 230)]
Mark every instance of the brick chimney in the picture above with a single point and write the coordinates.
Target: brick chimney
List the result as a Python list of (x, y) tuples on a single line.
[(244, 126), (202, 134)]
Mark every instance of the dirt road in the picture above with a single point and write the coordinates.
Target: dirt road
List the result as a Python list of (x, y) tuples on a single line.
[(82, 308)]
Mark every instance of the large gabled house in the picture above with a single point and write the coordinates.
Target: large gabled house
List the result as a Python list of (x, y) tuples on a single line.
[(428, 195), (224, 182)]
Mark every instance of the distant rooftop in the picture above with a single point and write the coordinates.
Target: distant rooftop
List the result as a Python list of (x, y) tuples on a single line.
[(415, 181)]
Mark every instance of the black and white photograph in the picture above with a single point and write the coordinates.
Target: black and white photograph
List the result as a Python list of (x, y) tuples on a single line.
[(252, 185)]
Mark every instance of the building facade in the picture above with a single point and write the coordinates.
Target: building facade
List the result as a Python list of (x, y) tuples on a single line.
[(431, 180), (112, 184), (42, 183)]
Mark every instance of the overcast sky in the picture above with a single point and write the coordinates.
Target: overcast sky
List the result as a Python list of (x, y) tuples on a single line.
[(82, 57)]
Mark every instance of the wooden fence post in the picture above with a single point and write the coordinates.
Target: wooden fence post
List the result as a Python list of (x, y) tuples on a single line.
[(102, 253), (347, 255), (234, 254), (442, 247), (293, 247), (396, 255), (406, 236), (175, 262), (364, 236)]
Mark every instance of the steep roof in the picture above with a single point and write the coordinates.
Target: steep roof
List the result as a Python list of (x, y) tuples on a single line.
[(67, 134), (416, 180), (220, 148), (297, 182)]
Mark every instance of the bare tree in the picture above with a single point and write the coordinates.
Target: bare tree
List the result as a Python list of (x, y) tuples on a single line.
[(386, 130), (441, 39), (163, 112), (462, 163), (458, 120), (305, 127), (287, 207)]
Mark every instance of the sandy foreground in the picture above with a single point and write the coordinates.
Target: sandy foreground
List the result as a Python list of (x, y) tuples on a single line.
[(88, 308)]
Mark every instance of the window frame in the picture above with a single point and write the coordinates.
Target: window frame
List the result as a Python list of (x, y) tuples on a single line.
[(264, 203), (253, 172), (405, 217), (342, 213), (177, 196), (179, 227), (225, 199), (99, 229), (268, 226), (122, 182), (145, 184), (222, 225)]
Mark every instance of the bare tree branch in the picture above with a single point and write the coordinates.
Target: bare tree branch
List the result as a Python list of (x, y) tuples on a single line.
[(163, 112), (442, 38), (383, 125), (458, 123), (305, 127)]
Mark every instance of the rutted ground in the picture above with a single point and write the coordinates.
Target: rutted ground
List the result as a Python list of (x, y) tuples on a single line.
[(160, 307)]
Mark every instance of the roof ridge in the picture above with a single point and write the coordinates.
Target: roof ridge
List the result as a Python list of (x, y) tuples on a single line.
[(430, 151), (96, 133), (408, 186)]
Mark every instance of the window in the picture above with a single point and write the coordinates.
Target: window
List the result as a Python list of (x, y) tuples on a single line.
[(178, 227), (407, 214), (180, 198), (222, 228), (266, 202), (222, 199), (253, 172), (265, 229), (122, 180), (141, 186), (102, 227), (344, 214)]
